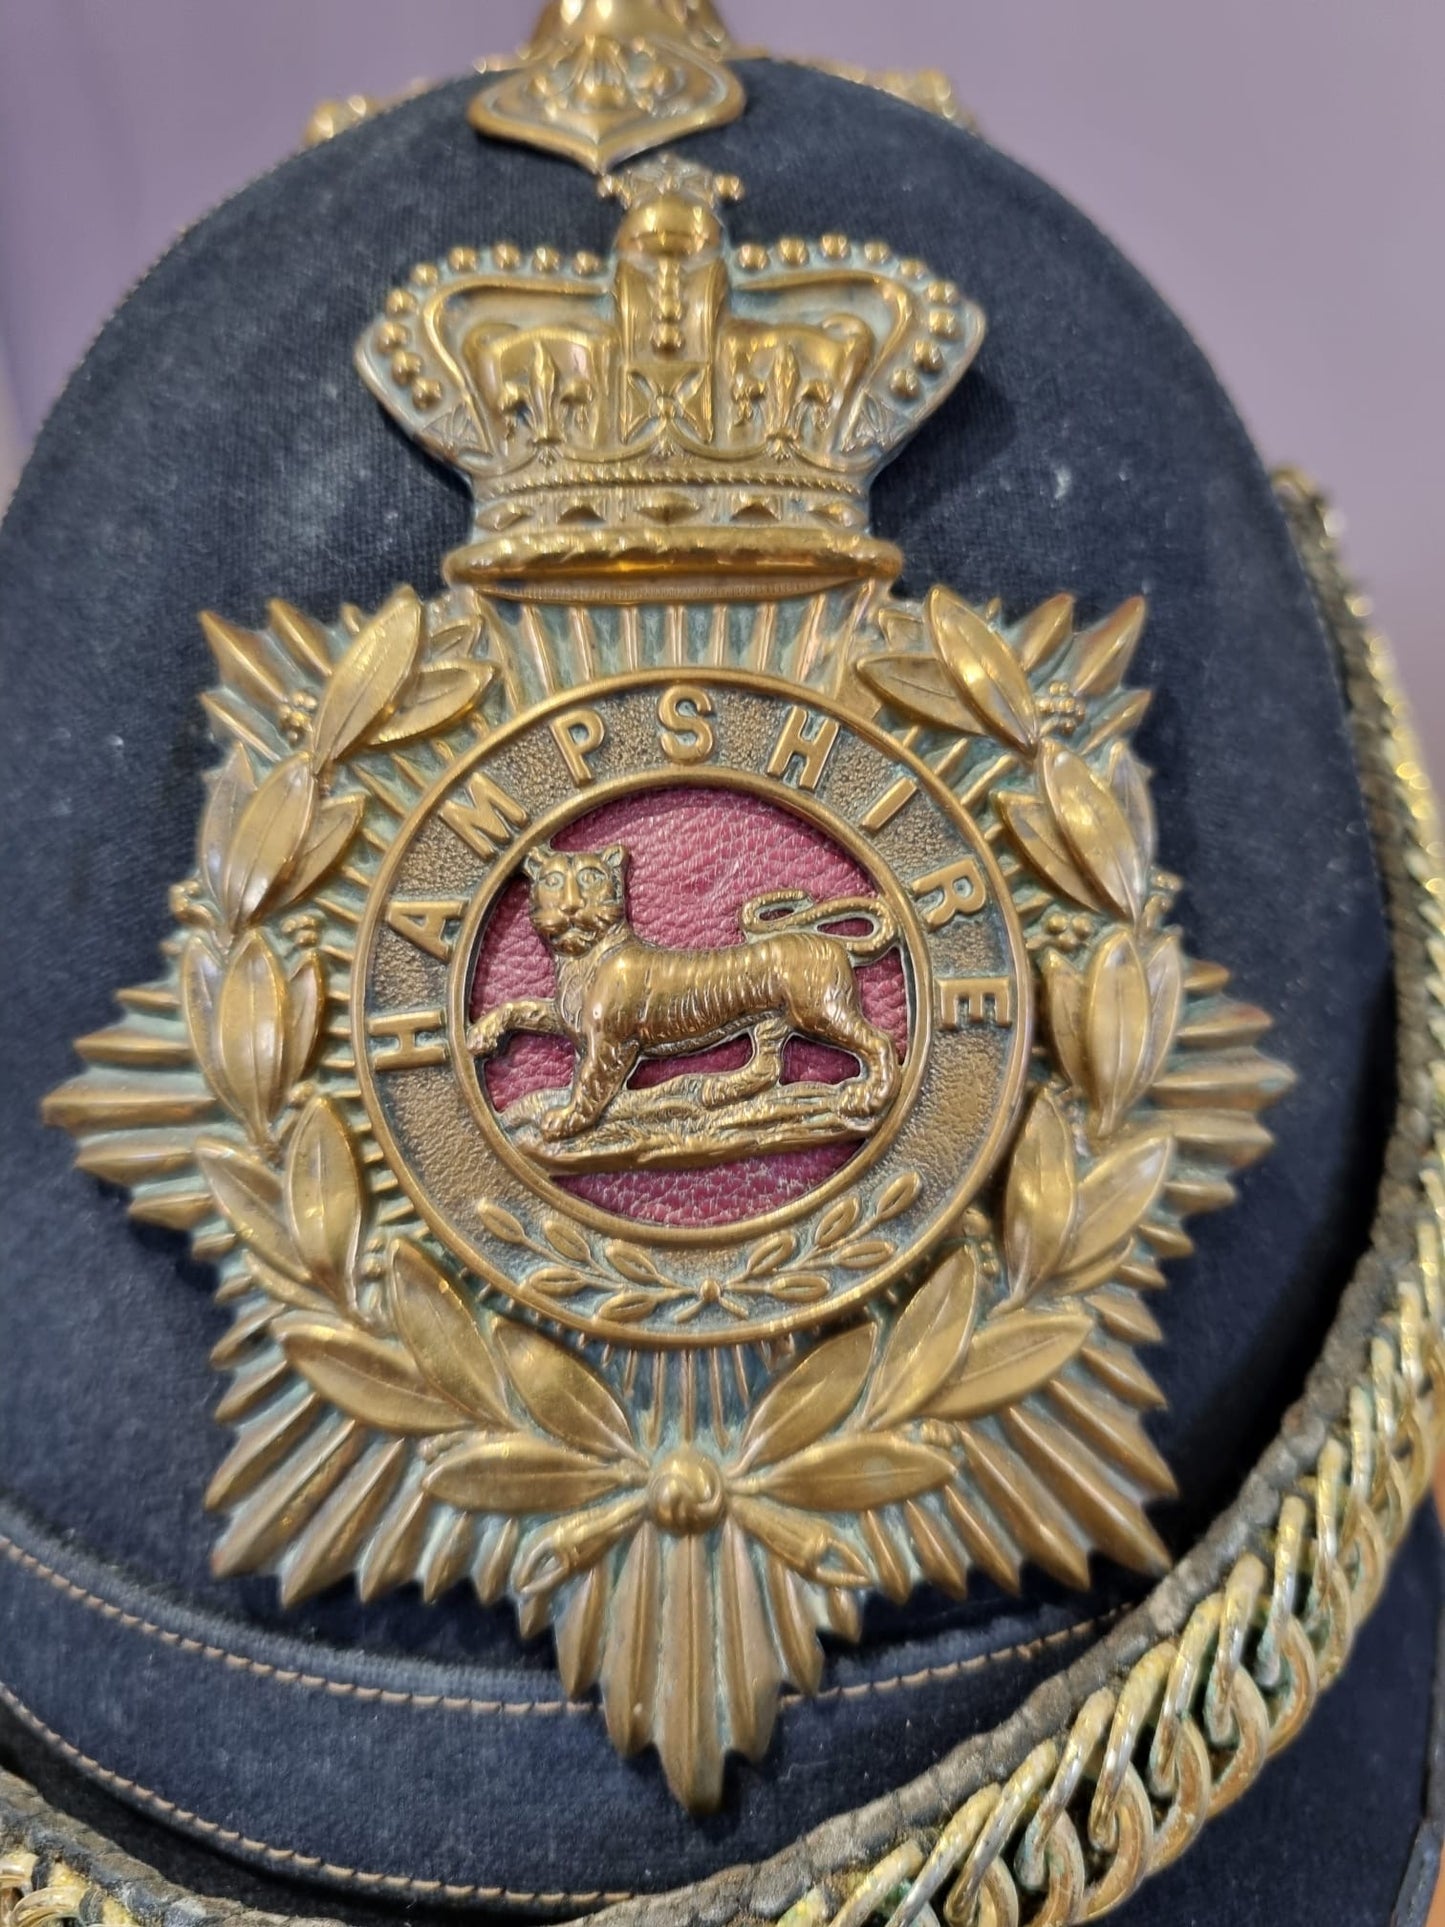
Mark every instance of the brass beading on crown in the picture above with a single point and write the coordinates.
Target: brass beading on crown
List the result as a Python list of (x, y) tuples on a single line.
[(686, 412)]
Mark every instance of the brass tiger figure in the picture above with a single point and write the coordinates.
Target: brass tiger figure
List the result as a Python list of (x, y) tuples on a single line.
[(620, 1000)]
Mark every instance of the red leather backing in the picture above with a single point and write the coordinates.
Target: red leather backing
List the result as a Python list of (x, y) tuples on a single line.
[(697, 855)]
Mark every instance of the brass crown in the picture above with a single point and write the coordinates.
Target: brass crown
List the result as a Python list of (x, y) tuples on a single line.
[(684, 408)]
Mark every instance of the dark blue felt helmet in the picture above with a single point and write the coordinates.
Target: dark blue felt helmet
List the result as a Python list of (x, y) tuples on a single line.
[(180, 1735)]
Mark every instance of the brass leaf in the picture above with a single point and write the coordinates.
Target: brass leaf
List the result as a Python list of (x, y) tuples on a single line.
[(200, 980), (1164, 967), (628, 1307), (249, 1194), (919, 688), (283, 1288), (1043, 632), (800, 1288), (232, 787), (1101, 656), (836, 1223), (633, 1262), (1116, 1030), (926, 1344), (564, 1397), (985, 671), (808, 1399), (1040, 1197), (437, 1328), (250, 1034), (769, 1253), (1011, 1357), (520, 1474), (365, 684), (1036, 837), (501, 1223), (563, 1551), (567, 1241), (323, 1197), (896, 1196), (366, 1377), (1082, 1282), (230, 717), (902, 626), (1118, 718), (1094, 829), (866, 1255), (336, 821), (855, 1474), (1125, 777), (801, 1541), (1064, 1003), (1116, 1194), (439, 696), (268, 838), (305, 1001), (556, 1281)]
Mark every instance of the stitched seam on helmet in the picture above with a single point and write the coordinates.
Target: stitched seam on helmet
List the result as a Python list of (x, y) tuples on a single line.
[(447, 1703), (287, 1857)]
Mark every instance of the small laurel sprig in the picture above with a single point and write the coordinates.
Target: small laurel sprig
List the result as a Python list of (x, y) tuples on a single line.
[(269, 839), (849, 1234)]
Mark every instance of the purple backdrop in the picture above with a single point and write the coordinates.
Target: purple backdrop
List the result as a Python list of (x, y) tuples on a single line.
[(1276, 167)]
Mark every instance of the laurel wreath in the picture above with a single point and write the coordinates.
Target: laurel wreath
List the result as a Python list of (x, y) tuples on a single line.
[(413, 1360), (986, 1418)]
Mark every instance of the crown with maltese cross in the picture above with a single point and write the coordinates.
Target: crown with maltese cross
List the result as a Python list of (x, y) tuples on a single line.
[(684, 416)]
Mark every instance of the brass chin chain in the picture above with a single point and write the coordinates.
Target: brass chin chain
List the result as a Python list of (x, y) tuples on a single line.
[(30, 1898)]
